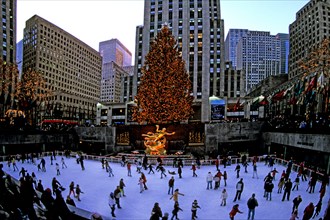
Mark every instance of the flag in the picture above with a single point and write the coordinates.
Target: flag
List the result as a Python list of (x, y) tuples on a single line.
[(302, 86), (320, 83), (297, 88), (292, 101), (264, 102), (278, 96), (288, 90), (237, 105), (312, 84), (300, 100)]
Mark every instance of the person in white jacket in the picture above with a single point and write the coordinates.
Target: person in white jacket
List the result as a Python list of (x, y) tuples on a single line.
[(209, 179), (224, 196)]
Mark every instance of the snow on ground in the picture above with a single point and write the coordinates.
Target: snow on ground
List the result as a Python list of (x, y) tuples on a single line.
[(96, 185)]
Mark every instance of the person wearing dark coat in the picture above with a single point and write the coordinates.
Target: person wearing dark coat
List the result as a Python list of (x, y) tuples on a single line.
[(287, 189), (313, 182), (296, 201), (70, 201), (61, 207), (239, 189), (269, 189), (317, 208), (48, 201), (252, 203), (156, 212), (176, 210), (180, 171)]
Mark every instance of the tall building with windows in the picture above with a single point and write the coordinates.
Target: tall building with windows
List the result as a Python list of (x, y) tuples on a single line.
[(114, 51), (8, 30), (199, 30), (259, 54), (232, 38), (117, 60), (19, 56), (311, 26), (71, 69), (285, 48)]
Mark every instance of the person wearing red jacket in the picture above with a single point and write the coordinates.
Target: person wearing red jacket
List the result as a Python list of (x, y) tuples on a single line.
[(308, 212), (234, 211)]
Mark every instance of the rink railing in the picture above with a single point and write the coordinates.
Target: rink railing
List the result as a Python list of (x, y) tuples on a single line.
[(167, 161)]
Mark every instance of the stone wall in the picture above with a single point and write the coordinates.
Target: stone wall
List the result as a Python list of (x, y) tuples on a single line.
[(231, 132), (316, 142), (106, 135)]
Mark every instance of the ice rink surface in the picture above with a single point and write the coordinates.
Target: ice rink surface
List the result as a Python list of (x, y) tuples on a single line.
[(97, 185)]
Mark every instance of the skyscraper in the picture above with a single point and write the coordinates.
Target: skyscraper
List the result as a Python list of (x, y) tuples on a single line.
[(232, 38), (285, 48), (8, 30), (259, 54), (19, 56), (71, 69), (199, 30), (115, 58), (311, 26), (114, 51)]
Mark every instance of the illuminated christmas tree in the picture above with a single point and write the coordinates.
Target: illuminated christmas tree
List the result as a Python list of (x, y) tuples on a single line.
[(8, 85), (164, 93), (31, 92)]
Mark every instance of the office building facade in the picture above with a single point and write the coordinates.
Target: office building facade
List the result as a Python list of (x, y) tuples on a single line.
[(199, 30), (285, 48), (259, 54), (8, 30), (71, 69), (19, 56), (232, 38), (116, 60), (311, 26)]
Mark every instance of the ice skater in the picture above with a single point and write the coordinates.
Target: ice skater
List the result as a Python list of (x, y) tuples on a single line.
[(209, 179), (171, 186), (234, 211), (140, 183), (237, 169), (317, 208), (224, 196), (239, 189), (71, 189), (110, 171), (57, 167), (144, 180), (151, 169), (162, 171), (63, 163), (175, 211), (180, 171), (129, 171), (225, 177), (112, 204), (122, 186), (296, 183), (175, 195), (78, 192), (194, 208), (193, 168), (280, 185), (255, 171)]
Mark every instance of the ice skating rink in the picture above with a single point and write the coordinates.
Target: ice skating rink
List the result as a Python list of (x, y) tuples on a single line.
[(97, 185)]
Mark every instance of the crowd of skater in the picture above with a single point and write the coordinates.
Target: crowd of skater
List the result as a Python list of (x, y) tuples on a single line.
[(52, 205)]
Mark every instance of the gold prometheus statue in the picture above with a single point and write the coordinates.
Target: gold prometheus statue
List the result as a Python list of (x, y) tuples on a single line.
[(155, 142)]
